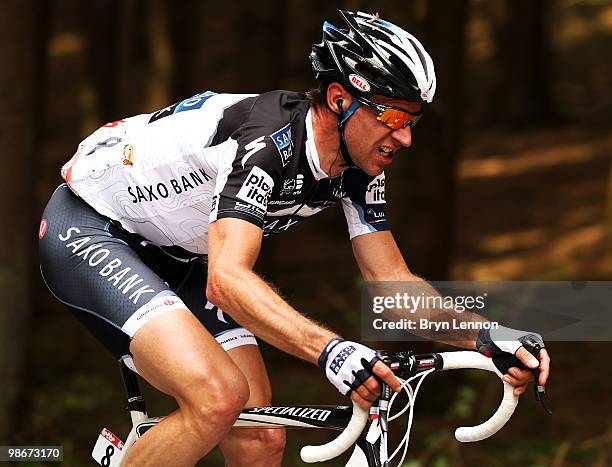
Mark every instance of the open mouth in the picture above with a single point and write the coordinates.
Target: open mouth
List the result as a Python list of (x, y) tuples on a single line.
[(386, 151)]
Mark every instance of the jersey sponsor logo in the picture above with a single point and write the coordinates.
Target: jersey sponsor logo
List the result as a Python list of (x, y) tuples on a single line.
[(287, 202), (338, 193), (194, 102), (276, 226), (256, 188), (283, 142), (42, 230), (252, 148), (191, 103), (107, 143), (375, 193), (359, 82), (375, 215), (96, 256), (311, 413), (292, 186), (162, 190)]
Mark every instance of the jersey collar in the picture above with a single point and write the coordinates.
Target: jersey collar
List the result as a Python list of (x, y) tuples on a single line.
[(311, 150)]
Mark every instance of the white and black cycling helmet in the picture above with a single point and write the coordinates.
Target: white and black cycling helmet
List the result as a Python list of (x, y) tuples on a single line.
[(373, 56)]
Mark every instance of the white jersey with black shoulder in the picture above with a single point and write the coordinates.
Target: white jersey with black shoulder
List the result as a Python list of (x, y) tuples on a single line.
[(167, 175)]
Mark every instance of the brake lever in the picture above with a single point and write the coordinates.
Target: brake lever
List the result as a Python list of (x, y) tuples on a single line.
[(539, 390), (540, 393)]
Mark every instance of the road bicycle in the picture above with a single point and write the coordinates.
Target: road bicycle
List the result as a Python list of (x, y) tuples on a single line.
[(366, 431)]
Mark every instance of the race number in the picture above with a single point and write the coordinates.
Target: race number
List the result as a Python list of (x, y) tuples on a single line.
[(108, 449)]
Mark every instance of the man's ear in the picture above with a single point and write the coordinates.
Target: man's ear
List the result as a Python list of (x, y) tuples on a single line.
[(338, 99)]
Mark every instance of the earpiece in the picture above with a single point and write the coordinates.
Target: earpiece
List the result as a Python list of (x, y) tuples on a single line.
[(339, 105)]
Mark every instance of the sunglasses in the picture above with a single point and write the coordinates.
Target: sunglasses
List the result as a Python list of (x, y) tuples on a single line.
[(392, 117)]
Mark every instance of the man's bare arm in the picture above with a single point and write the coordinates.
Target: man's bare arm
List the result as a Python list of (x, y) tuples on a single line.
[(234, 246)]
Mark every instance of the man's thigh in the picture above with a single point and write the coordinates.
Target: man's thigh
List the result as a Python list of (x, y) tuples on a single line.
[(178, 356)]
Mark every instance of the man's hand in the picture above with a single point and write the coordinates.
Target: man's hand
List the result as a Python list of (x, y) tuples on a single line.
[(519, 378), (354, 368), (521, 344)]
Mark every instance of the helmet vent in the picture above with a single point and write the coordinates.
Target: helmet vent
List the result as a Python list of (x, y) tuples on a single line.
[(421, 57)]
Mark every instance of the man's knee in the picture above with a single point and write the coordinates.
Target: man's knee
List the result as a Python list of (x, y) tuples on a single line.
[(214, 400)]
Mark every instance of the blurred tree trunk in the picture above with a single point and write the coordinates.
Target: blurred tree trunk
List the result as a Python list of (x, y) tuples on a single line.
[(102, 32), (523, 94), (20, 30), (228, 47), (122, 58), (209, 48), (425, 181), (261, 59), (161, 55)]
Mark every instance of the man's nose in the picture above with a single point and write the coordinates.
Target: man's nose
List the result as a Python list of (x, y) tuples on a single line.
[(403, 136)]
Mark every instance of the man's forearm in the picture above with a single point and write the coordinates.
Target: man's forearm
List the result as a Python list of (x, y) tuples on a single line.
[(257, 307)]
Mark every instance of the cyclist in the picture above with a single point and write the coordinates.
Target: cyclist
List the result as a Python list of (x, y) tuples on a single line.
[(151, 241)]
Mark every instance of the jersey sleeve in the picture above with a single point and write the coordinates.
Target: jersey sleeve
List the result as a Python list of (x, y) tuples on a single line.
[(251, 169), (364, 205)]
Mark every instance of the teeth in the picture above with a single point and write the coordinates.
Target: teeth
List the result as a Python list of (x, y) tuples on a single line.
[(385, 150)]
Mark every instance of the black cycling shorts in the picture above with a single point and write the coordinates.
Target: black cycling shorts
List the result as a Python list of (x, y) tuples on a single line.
[(115, 281)]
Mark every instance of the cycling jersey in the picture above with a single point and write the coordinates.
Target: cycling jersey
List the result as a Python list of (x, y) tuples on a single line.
[(166, 175)]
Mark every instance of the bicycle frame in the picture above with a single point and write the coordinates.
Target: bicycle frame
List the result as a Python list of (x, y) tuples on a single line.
[(365, 431), (333, 417)]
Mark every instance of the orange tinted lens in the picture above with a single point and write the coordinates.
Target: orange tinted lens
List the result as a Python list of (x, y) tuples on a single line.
[(397, 119)]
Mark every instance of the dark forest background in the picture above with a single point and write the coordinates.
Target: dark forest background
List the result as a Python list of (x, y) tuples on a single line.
[(509, 178)]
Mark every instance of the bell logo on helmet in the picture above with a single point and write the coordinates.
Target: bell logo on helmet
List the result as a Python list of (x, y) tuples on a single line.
[(42, 230), (359, 82), (424, 95)]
